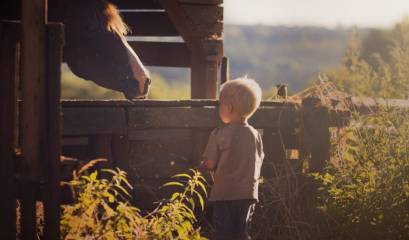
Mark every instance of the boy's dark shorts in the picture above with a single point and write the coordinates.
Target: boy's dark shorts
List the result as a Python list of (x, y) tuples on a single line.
[(231, 219)]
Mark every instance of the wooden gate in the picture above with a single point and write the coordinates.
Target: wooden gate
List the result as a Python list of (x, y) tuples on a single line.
[(37, 140)]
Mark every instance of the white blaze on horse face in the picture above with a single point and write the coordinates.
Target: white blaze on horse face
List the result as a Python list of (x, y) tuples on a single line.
[(139, 71)]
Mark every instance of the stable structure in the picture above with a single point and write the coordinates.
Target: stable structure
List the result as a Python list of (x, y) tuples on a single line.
[(198, 22), (31, 127), (30, 59), (151, 140), (154, 140)]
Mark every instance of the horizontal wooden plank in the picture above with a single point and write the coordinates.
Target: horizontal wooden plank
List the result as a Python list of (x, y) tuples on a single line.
[(141, 118), (201, 2), (81, 118), (74, 141), (89, 121), (160, 103), (207, 19), (201, 14), (158, 159), (149, 24), (137, 4), (159, 134), (162, 54), (207, 117), (368, 105)]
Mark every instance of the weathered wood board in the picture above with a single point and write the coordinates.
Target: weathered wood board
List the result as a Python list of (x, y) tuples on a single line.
[(155, 23), (162, 54)]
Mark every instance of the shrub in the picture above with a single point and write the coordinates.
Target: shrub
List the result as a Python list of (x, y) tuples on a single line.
[(101, 210), (366, 185)]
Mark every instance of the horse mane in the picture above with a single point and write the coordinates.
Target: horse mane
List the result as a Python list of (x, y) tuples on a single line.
[(113, 20)]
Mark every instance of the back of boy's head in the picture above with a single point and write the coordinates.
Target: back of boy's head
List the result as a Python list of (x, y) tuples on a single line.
[(243, 93)]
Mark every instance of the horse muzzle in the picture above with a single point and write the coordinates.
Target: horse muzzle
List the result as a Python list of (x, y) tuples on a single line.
[(136, 93)]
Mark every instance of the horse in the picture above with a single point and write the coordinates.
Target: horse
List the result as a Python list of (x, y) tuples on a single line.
[(95, 46)]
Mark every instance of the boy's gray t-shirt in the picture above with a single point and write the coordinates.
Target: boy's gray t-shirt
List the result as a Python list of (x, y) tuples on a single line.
[(238, 151)]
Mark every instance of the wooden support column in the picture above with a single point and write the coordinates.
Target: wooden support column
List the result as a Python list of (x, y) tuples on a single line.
[(316, 133), (9, 60), (274, 153), (206, 50), (204, 71), (225, 70), (33, 110), (55, 41)]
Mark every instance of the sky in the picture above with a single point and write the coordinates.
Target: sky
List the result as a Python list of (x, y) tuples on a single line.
[(327, 13)]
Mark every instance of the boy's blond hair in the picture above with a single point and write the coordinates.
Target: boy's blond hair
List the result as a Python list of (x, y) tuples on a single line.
[(243, 93)]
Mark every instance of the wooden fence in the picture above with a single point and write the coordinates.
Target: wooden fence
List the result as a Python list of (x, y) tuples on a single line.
[(38, 135), (153, 140)]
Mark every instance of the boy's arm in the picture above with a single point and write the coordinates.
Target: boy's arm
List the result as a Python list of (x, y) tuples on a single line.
[(210, 154)]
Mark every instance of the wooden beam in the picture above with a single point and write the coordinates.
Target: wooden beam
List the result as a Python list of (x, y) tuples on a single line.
[(55, 42), (149, 24), (9, 61), (88, 121), (207, 20), (160, 103), (137, 4), (316, 133), (181, 21), (34, 18), (145, 118), (225, 70), (204, 73), (202, 2), (164, 54), (33, 84), (102, 120)]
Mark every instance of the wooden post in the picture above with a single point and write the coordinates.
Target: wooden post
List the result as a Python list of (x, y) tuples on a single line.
[(225, 70), (274, 152), (55, 40), (205, 61), (33, 109), (8, 63), (33, 85), (282, 90), (317, 135), (203, 77)]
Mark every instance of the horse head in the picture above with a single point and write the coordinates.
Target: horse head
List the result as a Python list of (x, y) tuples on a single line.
[(96, 48)]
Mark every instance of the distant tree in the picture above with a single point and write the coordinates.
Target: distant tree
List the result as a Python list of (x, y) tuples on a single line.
[(381, 70)]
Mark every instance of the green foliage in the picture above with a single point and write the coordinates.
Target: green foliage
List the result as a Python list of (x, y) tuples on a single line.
[(162, 89), (101, 210), (283, 55), (366, 185), (74, 87), (381, 69)]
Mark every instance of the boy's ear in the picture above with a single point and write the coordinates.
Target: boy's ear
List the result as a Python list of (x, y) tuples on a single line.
[(230, 108)]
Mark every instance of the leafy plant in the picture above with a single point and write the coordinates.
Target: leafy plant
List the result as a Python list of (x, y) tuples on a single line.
[(378, 67), (366, 185), (102, 210)]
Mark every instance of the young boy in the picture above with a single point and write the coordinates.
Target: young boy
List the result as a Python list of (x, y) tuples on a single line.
[(235, 153)]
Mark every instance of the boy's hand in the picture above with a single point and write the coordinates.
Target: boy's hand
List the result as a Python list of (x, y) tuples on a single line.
[(208, 165), (207, 173)]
